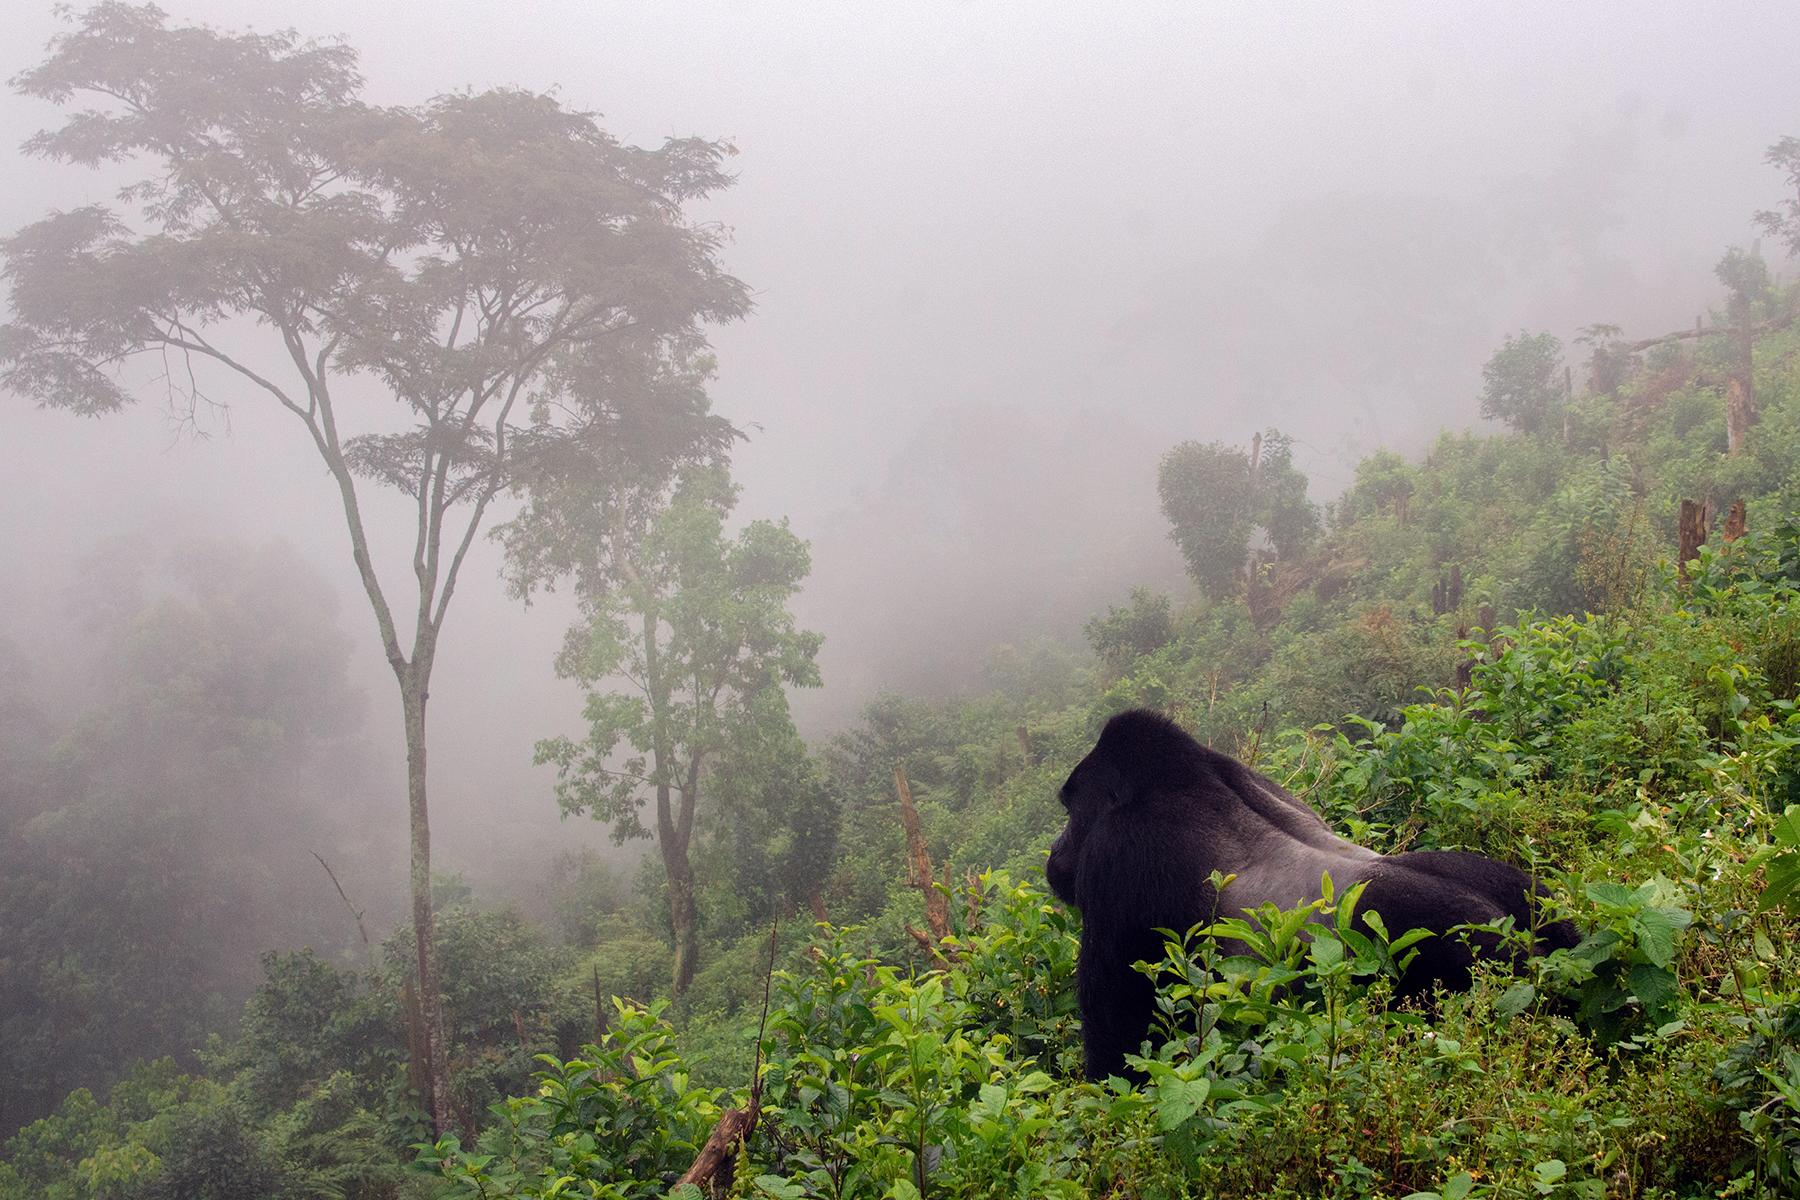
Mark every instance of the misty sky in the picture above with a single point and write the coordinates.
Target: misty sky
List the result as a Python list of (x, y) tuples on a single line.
[(1003, 257)]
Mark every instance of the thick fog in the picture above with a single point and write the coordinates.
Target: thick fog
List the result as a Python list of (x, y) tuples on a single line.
[(1003, 257)]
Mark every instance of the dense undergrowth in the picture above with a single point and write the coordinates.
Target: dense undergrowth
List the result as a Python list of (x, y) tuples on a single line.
[(1658, 1058), (1486, 649)]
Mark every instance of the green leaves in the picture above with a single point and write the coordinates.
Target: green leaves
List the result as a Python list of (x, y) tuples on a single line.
[(1516, 999), (1179, 1099), (1521, 383), (1457, 1187), (1780, 862), (1214, 499), (1636, 911), (615, 1123), (1622, 973)]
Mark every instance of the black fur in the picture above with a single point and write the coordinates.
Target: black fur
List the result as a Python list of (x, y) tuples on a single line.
[(1152, 813)]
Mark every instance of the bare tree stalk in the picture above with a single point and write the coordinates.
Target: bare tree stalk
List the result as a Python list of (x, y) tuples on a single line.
[(937, 909), (368, 946), (716, 1163)]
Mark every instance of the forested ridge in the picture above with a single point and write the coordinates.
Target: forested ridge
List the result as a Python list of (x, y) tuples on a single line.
[(1487, 647), (1568, 639)]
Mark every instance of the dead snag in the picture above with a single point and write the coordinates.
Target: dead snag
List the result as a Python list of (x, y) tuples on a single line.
[(1696, 522), (716, 1163), (368, 946), (937, 908), (1736, 523)]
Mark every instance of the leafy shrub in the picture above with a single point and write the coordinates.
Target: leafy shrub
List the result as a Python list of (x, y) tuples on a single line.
[(624, 1118)]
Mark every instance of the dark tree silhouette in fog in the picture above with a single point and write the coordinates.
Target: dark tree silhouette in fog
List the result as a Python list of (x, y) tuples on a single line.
[(521, 292)]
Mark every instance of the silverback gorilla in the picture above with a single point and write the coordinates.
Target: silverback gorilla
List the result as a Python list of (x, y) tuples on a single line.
[(1152, 813)]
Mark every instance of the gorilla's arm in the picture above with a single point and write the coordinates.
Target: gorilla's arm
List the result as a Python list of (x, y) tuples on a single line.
[(1117, 1001), (1135, 879)]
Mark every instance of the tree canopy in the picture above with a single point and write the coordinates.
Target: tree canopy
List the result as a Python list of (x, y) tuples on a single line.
[(1216, 496), (1519, 384)]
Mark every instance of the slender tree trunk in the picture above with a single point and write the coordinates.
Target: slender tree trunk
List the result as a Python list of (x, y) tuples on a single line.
[(683, 916), (1740, 411), (673, 832), (431, 1005)]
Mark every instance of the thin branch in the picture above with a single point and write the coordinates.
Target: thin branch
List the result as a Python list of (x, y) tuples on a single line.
[(1756, 330), (355, 912), (186, 338), (762, 1022), (608, 771), (325, 436), (498, 473)]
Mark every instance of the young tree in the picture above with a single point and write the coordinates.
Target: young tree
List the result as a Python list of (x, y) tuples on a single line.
[(1748, 293), (1126, 634), (695, 623), (1205, 492), (1215, 496), (519, 293), (1784, 221), (1522, 382), (772, 822)]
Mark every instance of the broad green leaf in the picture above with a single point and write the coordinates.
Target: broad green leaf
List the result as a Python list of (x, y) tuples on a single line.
[(1655, 929), (1783, 876), (1654, 986), (1515, 999), (1613, 895), (1179, 1099), (1787, 829)]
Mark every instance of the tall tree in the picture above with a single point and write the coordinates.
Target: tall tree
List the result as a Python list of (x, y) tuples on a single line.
[(694, 624), (520, 295)]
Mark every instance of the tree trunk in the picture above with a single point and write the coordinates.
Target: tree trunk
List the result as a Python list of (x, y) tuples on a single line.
[(433, 1054), (673, 831), (683, 917), (1740, 411), (716, 1164), (1695, 523), (1736, 524)]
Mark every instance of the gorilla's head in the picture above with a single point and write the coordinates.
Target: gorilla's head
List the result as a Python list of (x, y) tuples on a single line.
[(1093, 789)]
